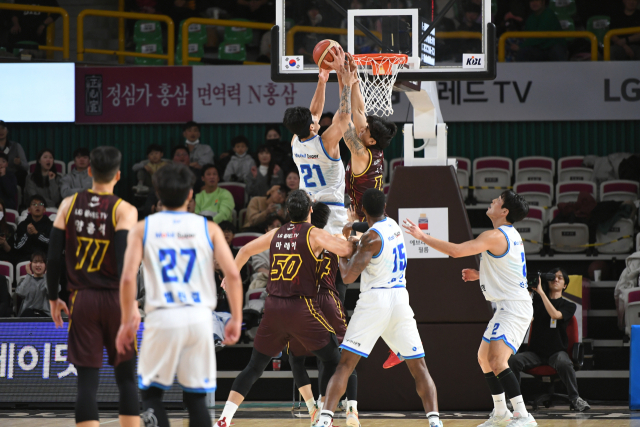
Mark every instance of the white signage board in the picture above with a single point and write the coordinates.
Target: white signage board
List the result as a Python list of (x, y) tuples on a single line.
[(432, 221)]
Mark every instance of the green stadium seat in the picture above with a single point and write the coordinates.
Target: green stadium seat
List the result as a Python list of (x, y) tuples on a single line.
[(599, 25), (238, 34), (567, 24), (197, 33), (195, 50), (149, 48), (232, 51), (19, 46), (563, 8), (147, 32)]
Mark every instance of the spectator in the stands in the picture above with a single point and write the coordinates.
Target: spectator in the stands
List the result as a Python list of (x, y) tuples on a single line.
[(6, 302), (542, 18), (214, 201), (199, 154), (33, 289), (265, 176), (77, 179), (304, 42), (627, 46), (469, 23), (33, 233), (280, 150), (30, 26), (7, 237), (15, 155), (260, 208), (240, 164), (257, 10), (44, 180), (8, 184), (293, 180), (549, 341), (145, 169)]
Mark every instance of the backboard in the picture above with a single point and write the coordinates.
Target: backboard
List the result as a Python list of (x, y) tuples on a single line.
[(457, 48)]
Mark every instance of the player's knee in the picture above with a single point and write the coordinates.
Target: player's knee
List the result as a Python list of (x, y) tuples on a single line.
[(126, 381)]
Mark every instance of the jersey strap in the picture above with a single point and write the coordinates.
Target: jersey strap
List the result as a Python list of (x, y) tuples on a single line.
[(508, 246)]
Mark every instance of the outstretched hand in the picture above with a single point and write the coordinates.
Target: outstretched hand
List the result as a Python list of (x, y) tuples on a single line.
[(338, 59), (469, 275), (323, 75), (411, 228)]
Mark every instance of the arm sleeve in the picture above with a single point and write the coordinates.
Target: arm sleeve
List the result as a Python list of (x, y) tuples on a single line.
[(54, 262), (226, 206), (120, 241), (205, 156), (360, 227)]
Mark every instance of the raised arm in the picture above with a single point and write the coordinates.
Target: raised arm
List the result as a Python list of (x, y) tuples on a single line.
[(317, 102), (357, 101), (370, 245), (254, 247), (342, 119), (493, 241), (321, 239)]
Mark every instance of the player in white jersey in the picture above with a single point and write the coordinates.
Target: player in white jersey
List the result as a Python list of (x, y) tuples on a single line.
[(318, 157), (503, 280), (382, 310), (177, 250)]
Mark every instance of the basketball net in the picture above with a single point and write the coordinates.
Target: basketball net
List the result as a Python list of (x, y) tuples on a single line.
[(377, 74)]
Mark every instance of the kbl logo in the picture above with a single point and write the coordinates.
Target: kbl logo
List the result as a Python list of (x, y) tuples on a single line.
[(474, 61)]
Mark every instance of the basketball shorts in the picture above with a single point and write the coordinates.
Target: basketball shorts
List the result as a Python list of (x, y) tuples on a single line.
[(384, 313), (93, 325), (509, 323), (178, 341), (333, 311), (337, 219)]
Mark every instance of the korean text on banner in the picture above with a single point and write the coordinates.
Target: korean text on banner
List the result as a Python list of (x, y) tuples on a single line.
[(432, 221)]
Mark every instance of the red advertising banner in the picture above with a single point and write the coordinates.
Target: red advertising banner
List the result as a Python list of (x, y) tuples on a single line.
[(134, 94)]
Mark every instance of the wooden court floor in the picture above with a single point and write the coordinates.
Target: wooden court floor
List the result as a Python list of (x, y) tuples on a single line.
[(281, 415)]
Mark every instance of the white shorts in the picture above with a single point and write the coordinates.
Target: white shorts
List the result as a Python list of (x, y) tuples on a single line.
[(178, 341), (384, 313), (337, 219), (509, 323)]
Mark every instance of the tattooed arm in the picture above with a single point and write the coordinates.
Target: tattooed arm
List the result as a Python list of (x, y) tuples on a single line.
[(341, 120), (357, 101)]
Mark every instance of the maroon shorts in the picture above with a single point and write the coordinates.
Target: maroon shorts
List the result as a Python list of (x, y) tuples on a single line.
[(297, 318), (333, 311), (93, 325)]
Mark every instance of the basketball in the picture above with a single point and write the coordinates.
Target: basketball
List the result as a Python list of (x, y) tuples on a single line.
[(322, 53)]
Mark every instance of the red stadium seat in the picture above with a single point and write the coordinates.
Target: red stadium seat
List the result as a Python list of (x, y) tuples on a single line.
[(535, 168), (622, 227), (531, 228), (463, 173), (571, 169), (619, 190), (58, 164), (568, 191), (242, 239), (11, 215), (535, 193), (491, 172), (568, 238), (237, 189), (21, 270)]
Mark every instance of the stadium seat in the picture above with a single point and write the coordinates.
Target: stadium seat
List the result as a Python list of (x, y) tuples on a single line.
[(535, 168), (197, 33), (242, 217), (232, 51), (196, 50), (531, 228), (567, 24), (619, 190), (552, 214), (59, 165), (491, 172), (463, 171), (11, 216), (238, 191), (50, 214), (622, 227), (599, 25), (149, 47), (393, 165), (571, 169), (568, 191), (51, 210), (240, 35), (32, 166), (563, 8), (6, 269), (71, 165), (564, 237), (242, 239), (535, 193), (21, 270), (147, 32)]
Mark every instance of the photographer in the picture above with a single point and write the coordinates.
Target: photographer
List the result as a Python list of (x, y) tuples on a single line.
[(548, 334)]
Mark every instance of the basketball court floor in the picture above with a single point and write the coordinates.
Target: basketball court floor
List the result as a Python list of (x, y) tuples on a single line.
[(280, 414)]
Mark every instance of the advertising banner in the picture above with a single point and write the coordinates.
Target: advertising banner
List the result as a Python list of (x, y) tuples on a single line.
[(433, 222)]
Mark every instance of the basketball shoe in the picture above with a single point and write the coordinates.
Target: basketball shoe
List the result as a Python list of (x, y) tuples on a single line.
[(352, 418), (315, 415), (222, 422), (496, 421), (392, 360), (519, 421)]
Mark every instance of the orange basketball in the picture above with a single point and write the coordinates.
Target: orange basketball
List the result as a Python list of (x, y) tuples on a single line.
[(323, 52)]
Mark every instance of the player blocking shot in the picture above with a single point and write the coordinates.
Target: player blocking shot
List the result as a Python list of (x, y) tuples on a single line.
[(291, 310), (382, 309), (503, 280), (91, 229), (177, 251), (318, 157)]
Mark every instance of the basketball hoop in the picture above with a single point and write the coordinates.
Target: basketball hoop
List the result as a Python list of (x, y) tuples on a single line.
[(377, 73)]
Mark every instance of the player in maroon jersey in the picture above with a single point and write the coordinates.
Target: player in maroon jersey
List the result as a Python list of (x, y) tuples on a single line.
[(91, 227), (291, 309)]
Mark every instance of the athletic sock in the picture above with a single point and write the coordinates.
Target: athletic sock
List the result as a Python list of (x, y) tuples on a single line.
[(326, 417), (311, 404), (228, 412), (353, 405), (434, 418), (500, 404), (519, 406), (320, 404)]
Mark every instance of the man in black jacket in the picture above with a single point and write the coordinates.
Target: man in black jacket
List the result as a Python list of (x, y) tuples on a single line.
[(33, 233), (549, 341)]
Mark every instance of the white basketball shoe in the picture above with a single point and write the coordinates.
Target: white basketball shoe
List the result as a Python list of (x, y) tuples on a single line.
[(519, 421), (497, 421)]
